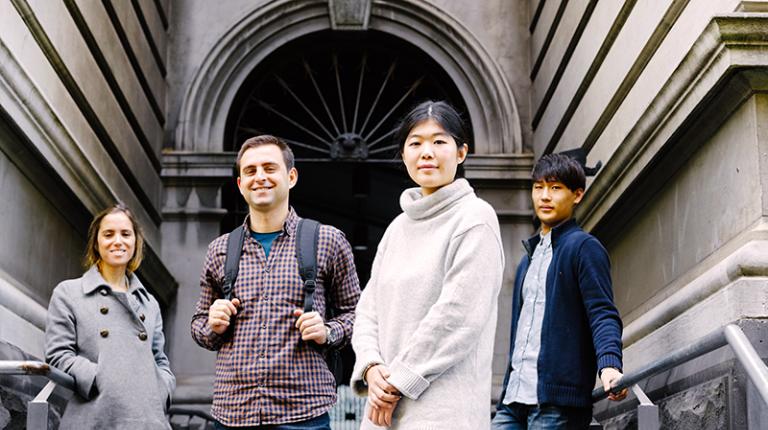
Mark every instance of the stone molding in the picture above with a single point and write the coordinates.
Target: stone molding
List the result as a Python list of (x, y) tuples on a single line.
[(149, 89), (193, 180), (750, 260), (191, 168), (147, 188), (193, 184), (753, 6), (26, 106), (724, 67), (12, 298), (633, 74), (478, 77), (510, 167), (733, 303)]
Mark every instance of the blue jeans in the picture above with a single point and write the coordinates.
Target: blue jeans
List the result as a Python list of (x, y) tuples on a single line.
[(323, 422), (541, 417)]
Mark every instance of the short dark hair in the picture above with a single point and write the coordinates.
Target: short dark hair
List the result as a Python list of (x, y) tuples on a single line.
[(560, 168), (92, 255), (266, 139), (442, 113)]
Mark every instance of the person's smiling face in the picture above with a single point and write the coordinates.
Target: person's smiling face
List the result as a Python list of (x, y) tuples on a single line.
[(432, 156), (116, 240), (264, 179)]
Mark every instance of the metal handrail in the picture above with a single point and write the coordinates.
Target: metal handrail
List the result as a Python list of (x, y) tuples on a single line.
[(730, 334), (190, 412), (13, 367), (37, 410), (748, 357)]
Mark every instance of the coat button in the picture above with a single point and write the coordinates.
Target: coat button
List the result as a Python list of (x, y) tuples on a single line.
[(143, 335), (104, 332), (104, 310), (103, 292), (142, 317)]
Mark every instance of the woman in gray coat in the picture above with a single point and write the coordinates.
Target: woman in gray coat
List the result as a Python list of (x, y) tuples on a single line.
[(106, 331)]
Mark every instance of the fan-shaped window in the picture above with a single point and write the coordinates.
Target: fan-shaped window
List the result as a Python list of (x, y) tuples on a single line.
[(337, 96)]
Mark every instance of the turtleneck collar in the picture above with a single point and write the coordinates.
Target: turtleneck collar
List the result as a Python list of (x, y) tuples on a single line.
[(418, 207)]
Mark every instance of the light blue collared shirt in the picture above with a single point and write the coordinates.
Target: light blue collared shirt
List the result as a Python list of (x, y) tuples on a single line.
[(523, 378)]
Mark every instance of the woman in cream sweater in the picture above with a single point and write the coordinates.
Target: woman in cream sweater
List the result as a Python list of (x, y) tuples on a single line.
[(426, 320)]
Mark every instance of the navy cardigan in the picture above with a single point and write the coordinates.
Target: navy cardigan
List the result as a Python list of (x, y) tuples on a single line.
[(581, 331)]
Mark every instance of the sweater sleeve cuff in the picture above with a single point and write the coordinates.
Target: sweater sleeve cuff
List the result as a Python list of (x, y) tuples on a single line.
[(84, 373), (409, 383), (169, 382), (609, 360)]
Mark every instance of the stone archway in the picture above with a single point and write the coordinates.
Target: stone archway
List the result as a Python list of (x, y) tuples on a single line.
[(198, 165), (489, 99)]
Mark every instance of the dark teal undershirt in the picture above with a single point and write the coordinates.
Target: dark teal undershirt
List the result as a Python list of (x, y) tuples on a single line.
[(265, 239)]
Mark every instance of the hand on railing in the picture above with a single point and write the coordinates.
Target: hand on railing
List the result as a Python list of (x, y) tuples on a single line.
[(611, 377)]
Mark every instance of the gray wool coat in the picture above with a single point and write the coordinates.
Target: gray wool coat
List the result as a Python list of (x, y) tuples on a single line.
[(112, 344)]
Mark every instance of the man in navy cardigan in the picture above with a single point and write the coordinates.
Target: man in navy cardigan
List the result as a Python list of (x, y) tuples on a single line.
[(565, 326)]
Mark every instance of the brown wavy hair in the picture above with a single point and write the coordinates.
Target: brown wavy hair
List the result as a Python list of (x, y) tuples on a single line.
[(92, 247)]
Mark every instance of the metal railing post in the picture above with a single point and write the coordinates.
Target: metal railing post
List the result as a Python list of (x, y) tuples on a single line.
[(748, 357), (37, 408), (647, 412)]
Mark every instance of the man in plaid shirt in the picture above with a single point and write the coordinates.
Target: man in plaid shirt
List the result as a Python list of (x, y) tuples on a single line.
[(270, 370)]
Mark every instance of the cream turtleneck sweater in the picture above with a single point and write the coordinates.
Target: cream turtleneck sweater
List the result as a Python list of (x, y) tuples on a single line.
[(429, 310)]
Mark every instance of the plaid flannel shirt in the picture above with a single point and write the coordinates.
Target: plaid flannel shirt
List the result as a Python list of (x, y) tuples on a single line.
[(265, 373)]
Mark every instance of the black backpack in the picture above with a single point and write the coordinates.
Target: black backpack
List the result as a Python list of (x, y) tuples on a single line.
[(307, 232)]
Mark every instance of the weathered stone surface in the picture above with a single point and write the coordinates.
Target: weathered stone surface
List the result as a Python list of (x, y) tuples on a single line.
[(5, 416), (702, 407), (13, 410), (627, 420)]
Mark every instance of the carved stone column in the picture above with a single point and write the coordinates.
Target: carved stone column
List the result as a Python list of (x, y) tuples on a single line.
[(192, 214)]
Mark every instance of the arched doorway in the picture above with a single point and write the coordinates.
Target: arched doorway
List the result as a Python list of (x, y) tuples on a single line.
[(336, 97), (271, 26)]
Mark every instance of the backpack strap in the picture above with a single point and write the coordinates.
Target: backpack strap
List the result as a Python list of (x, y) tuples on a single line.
[(307, 233), (232, 260)]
